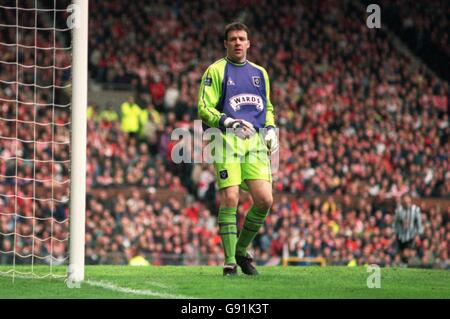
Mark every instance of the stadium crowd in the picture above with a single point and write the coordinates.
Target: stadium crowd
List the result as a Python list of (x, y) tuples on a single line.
[(343, 233), (353, 110), (423, 21), (357, 117)]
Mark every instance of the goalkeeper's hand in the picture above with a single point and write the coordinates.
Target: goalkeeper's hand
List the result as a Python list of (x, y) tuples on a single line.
[(271, 140), (241, 128)]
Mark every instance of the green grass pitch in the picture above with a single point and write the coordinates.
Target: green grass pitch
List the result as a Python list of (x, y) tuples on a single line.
[(207, 282)]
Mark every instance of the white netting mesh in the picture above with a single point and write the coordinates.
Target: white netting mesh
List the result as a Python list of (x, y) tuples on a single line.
[(35, 84)]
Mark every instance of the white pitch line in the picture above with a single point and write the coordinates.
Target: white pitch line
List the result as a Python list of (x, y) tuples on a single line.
[(114, 287), (140, 292), (159, 285)]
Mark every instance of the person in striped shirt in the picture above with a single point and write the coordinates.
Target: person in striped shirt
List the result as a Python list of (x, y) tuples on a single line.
[(407, 225)]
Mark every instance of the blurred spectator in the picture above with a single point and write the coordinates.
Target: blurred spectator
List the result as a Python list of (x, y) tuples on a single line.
[(408, 227), (130, 113)]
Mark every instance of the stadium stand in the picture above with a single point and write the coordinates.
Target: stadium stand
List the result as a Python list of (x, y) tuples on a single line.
[(358, 118)]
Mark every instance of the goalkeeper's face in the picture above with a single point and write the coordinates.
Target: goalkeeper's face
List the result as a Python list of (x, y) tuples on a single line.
[(237, 45)]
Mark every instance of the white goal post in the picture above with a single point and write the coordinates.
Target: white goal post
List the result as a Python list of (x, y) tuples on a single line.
[(43, 132), (78, 141)]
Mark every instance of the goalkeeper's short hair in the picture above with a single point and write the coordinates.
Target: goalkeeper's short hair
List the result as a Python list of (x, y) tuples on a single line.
[(235, 26)]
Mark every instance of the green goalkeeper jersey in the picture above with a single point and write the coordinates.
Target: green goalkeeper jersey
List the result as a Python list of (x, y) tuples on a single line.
[(239, 91)]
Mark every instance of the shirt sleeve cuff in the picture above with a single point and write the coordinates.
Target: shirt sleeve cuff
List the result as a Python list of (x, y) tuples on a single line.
[(222, 120)]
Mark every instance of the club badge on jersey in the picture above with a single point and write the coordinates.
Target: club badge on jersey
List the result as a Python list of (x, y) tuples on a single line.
[(256, 81)]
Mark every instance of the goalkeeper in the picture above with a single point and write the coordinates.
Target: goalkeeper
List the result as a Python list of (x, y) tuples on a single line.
[(235, 97)]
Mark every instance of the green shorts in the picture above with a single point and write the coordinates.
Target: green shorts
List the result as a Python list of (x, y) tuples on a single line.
[(240, 160)]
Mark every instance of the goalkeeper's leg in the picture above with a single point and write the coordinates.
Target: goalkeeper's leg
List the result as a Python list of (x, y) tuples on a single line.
[(261, 191), (257, 176), (228, 177), (229, 198)]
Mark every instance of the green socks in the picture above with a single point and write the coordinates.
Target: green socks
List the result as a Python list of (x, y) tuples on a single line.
[(228, 233), (253, 221)]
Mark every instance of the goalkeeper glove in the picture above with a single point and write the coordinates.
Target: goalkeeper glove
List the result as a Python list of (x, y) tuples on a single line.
[(271, 140), (241, 128)]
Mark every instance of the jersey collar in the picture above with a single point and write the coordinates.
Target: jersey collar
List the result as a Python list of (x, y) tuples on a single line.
[(236, 63)]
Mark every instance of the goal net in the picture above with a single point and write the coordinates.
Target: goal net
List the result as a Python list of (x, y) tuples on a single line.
[(39, 131)]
